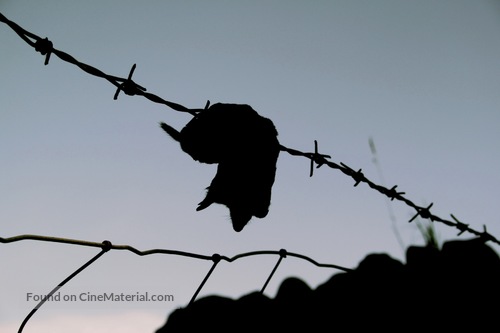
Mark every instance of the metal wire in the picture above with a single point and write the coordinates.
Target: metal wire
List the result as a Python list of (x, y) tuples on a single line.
[(129, 87), (107, 246)]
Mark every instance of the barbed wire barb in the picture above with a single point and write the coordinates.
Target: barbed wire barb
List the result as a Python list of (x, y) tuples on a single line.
[(44, 46), (392, 193), (128, 86), (317, 158), (424, 213), (460, 226)]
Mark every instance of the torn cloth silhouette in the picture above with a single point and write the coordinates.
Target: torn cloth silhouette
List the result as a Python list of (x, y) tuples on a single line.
[(246, 148)]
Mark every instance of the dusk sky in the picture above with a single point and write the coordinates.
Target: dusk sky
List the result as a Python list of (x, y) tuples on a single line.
[(420, 78)]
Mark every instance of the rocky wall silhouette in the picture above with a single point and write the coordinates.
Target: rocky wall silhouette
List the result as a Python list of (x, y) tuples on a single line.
[(454, 287)]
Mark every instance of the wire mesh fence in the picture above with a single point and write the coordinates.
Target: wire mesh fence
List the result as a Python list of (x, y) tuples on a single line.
[(106, 246)]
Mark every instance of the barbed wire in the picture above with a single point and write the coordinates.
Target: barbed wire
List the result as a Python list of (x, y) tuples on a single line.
[(129, 87), (358, 177), (106, 246)]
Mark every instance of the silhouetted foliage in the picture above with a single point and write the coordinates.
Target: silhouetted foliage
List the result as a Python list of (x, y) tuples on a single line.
[(436, 289), (246, 148)]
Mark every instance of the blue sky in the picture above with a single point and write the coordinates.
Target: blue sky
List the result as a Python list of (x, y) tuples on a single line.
[(419, 77)]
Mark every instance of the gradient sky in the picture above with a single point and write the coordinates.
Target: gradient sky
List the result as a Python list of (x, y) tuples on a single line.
[(421, 78)]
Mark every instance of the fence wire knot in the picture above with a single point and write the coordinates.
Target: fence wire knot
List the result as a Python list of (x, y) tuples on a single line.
[(216, 258), (44, 46), (106, 245)]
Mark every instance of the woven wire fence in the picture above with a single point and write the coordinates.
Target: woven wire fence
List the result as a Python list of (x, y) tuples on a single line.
[(106, 246)]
